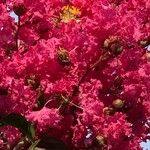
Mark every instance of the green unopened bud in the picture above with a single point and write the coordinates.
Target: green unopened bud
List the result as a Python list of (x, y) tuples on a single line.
[(63, 57), (118, 103), (19, 9)]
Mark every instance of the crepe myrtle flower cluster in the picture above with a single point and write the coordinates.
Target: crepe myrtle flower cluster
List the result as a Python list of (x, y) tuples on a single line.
[(78, 70)]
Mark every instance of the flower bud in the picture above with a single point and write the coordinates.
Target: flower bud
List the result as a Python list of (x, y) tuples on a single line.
[(118, 103), (19, 9), (100, 140), (108, 110), (116, 49), (144, 42), (113, 45), (106, 43)]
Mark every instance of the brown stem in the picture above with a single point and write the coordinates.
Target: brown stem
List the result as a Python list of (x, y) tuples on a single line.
[(65, 100), (102, 58)]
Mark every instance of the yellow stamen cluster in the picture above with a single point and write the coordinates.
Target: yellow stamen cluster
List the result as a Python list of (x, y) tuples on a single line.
[(69, 13)]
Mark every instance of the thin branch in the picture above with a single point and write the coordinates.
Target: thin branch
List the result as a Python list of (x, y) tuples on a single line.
[(71, 103)]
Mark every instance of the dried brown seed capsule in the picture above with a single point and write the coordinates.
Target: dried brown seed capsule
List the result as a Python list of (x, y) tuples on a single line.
[(118, 103)]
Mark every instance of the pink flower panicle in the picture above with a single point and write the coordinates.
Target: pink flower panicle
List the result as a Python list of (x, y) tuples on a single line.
[(79, 70)]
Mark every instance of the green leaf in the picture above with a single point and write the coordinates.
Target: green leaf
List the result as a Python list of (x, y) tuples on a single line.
[(32, 147), (31, 131), (50, 143), (20, 122)]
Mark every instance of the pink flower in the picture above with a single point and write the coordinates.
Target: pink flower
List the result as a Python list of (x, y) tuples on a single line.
[(84, 54), (45, 118), (5, 105)]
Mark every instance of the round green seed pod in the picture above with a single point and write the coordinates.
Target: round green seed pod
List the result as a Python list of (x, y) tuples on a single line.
[(118, 103)]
